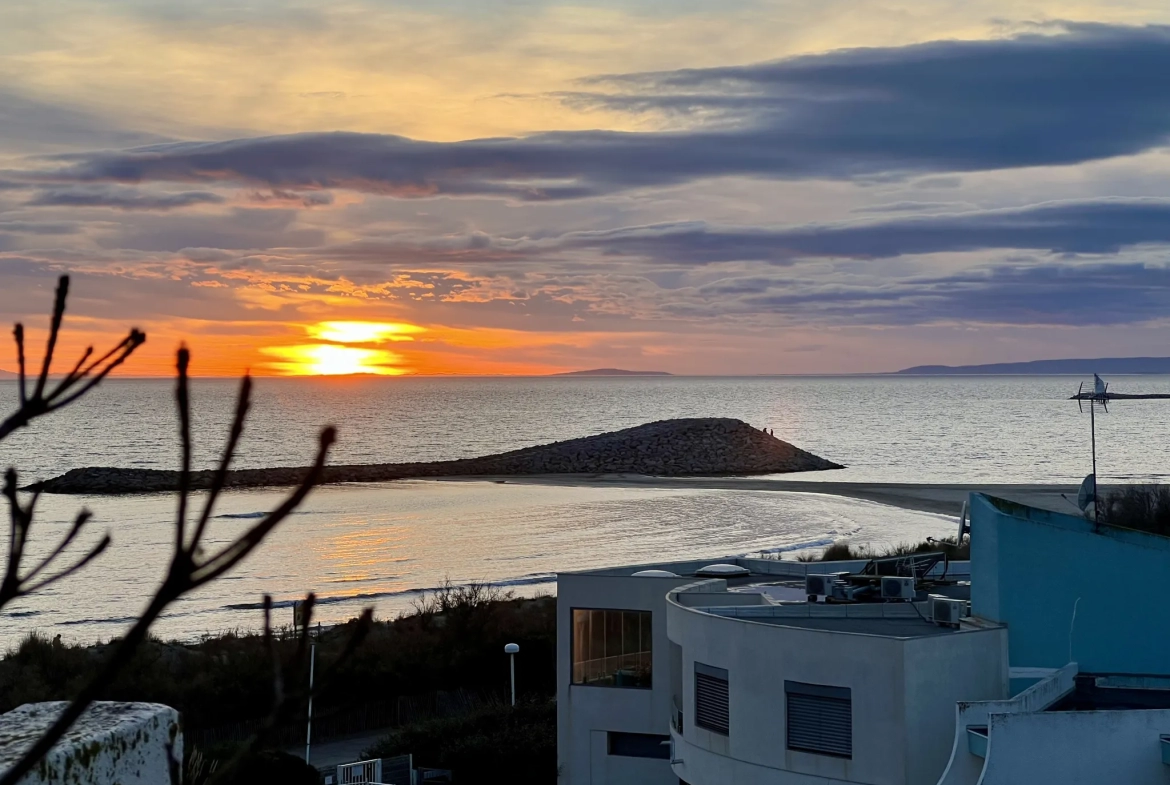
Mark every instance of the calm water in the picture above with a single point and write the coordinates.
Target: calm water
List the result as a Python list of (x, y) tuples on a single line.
[(381, 544)]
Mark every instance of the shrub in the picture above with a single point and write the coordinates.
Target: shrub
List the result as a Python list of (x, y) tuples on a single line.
[(843, 551), (1142, 507), (494, 744)]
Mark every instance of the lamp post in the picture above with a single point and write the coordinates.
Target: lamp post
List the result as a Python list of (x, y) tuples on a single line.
[(512, 650)]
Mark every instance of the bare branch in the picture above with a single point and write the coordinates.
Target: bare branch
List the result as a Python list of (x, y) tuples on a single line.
[(183, 401), (79, 522), (235, 552), (14, 584), (243, 404), (54, 331), (18, 335), (131, 342), (186, 572), (39, 404), (293, 700), (94, 552), (73, 375)]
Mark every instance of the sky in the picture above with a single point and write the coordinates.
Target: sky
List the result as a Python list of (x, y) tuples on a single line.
[(535, 186)]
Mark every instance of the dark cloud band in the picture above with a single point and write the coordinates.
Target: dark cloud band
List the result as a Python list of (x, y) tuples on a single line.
[(1085, 93)]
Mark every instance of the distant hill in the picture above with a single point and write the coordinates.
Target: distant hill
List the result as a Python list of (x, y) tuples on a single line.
[(6, 374), (1102, 365), (612, 372)]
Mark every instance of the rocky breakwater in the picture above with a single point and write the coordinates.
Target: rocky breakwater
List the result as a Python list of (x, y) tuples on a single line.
[(703, 447)]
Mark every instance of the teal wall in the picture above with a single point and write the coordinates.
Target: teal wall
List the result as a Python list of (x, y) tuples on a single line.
[(1029, 567)]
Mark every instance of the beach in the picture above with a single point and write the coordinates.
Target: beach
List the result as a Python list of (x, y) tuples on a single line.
[(943, 498)]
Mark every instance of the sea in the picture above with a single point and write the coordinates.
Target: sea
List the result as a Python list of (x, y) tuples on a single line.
[(386, 545)]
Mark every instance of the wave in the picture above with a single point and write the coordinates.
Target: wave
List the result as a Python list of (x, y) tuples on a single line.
[(20, 614), (75, 622), (241, 515)]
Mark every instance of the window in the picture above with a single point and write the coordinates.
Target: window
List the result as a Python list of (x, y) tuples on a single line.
[(611, 648), (711, 709), (639, 745), (819, 719)]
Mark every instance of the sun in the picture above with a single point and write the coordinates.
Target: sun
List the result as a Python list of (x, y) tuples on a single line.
[(336, 356), (330, 360)]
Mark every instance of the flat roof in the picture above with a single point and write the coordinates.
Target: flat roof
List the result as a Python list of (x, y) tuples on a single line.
[(888, 628), (1103, 692)]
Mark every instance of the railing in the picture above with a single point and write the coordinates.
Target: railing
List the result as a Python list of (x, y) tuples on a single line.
[(676, 718)]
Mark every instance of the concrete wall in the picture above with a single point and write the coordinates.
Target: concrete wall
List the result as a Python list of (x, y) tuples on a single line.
[(1029, 569), (585, 713), (124, 743), (964, 767), (1077, 748), (944, 670), (890, 678)]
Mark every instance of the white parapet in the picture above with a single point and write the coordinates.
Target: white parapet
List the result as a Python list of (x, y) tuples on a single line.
[(123, 743)]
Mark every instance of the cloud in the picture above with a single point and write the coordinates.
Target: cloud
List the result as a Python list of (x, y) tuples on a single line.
[(1088, 227), (283, 198), (40, 227), (1049, 294), (1084, 93), (120, 198)]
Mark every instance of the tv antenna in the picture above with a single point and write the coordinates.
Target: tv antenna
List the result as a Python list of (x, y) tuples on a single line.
[(1094, 399)]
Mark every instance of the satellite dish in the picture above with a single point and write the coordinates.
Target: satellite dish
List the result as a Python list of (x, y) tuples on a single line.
[(1087, 495), (964, 527)]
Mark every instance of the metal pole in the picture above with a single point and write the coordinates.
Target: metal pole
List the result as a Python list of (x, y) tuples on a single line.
[(1093, 430), (512, 657), (309, 729)]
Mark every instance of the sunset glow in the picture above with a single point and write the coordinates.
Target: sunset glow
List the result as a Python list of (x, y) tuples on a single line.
[(330, 360), (364, 332), (389, 187)]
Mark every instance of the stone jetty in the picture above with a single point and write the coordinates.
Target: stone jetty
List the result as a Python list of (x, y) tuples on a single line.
[(702, 447)]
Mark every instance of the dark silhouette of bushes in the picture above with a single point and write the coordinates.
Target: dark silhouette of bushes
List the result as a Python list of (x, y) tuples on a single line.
[(228, 679), (843, 551), (493, 745), (1142, 507)]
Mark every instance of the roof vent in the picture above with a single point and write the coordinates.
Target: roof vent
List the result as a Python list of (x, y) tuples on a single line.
[(722, 571), (655, 574)]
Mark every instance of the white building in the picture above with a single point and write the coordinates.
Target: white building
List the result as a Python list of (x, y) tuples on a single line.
[(636, 646), (1067, 728)]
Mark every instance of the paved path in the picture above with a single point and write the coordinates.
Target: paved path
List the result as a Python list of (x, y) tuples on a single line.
[(327, 755)]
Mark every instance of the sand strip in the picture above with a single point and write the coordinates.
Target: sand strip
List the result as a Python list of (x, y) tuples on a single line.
[(928, 497)]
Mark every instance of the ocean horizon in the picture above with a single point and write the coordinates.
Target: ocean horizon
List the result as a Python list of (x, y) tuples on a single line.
[(385, 544)]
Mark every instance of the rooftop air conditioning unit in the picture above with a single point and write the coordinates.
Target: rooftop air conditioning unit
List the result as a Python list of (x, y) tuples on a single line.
[(819, 585), (948, 612), (898, 588)]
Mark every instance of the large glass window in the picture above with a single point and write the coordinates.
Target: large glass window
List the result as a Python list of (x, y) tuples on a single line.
[(611, 648)]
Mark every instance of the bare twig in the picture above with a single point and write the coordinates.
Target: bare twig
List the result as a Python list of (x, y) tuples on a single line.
[(188, 568), (286, 702), (76, 383), (14, 584), (18, 336), (54, 331)]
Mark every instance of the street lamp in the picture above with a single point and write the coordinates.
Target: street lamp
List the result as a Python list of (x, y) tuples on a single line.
[(512, 650)]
